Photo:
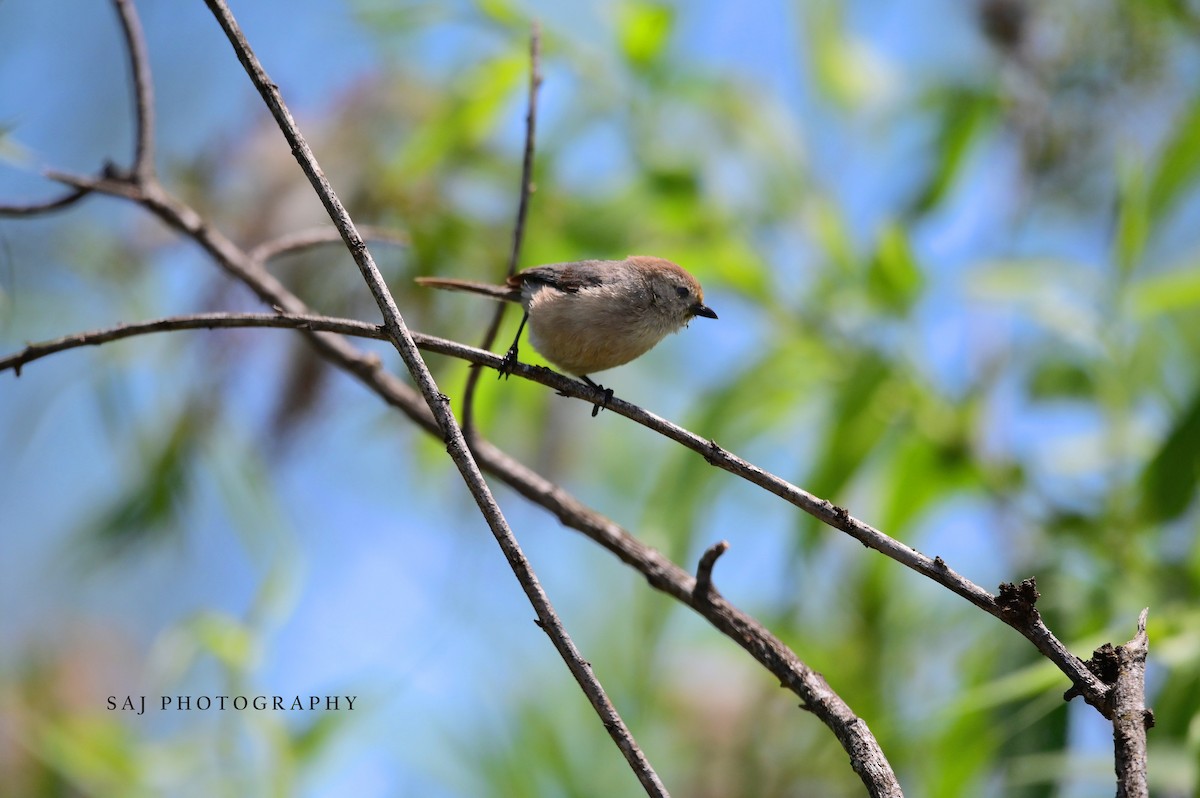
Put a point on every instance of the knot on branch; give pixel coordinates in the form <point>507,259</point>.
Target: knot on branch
<point>1017,601</point>
<point>1105,663</point>
<point>704,590</point>
<point>113,171</point>
<point>714,451</point>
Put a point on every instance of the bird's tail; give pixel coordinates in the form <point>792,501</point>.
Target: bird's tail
<point>502,292</point>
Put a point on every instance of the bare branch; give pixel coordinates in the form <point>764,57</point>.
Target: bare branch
<point>45,206</point>
<point>143,164</point>
<point>660,572</point>
<point>1130,716</point>
<point>527,188</point>
<point>438,403</point>
<point>292,243</point>
<point>210,321</point>
<point>143,89</point>
<point>514,255</point>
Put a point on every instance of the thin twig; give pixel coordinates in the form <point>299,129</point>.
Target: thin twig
<point>143,90</point>
<point>438,403</point>
<point>45,206</point>
<point>518,238</point>
<point>292,243</point>
<point>36,351</point>
<point>143,155</point>
<point>1130,716</point>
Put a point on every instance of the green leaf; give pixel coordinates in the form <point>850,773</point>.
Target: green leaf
<point>644,29</point>
<point>1133,218</point>
<point>1175,290</point>
<point>894,278</point>
<point>1178,166</point>
<point>503,12</point>
<point>828,227</point>
<point>1170,481</point>
<point>924,473</point>
<point>963,116</point>
<point>1062,380</point>
<point>11,152</point>
<point>150,507</point>
<point>224,637</point>
<point>98,754</point>
<point>857,428</point>
<point>845,68</point>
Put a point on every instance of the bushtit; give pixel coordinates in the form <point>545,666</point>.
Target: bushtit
<point>592,315</point>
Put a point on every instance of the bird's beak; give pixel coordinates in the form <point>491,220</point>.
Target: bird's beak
<point>703,310</point>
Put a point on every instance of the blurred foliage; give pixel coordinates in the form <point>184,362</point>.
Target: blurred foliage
<point>997,363</point>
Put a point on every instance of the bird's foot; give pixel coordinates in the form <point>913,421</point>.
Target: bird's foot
<point>508,364</point>
<point>606,395</point>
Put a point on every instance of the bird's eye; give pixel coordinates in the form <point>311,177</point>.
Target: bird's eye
<point>682,292</point>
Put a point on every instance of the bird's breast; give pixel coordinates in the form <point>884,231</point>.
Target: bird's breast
<point>591,330</point>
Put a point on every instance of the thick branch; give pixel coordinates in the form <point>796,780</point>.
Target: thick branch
<point>1130,716</point>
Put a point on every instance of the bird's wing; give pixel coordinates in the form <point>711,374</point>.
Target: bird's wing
<point>569,277</point>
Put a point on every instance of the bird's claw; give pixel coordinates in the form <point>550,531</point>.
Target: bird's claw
<point>607,395</point>
<point>508,364</point>
<point>596,408</point>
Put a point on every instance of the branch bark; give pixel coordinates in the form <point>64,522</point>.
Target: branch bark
<point>1130,717</point>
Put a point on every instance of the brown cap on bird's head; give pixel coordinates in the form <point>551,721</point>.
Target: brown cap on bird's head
<point>686,286</point>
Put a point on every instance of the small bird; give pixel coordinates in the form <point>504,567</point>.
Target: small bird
<point>591,315</point>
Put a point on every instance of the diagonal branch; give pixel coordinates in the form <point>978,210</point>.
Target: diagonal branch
<point>662,574</point>
<point>438,403</point>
